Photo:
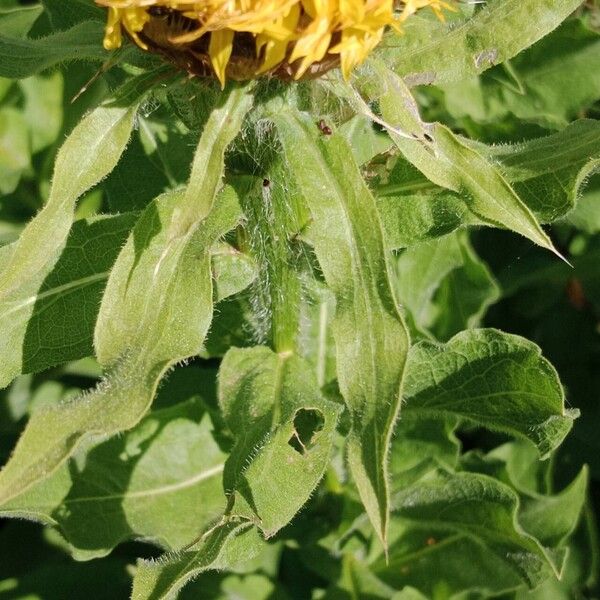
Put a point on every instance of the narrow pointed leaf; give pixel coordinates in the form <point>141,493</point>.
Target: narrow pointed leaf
<point>450,163</point>
<point>88,155</point>
<point>547,173</point>
<point>227,546</point>
<point>371,338</point>
<point>20,58</point>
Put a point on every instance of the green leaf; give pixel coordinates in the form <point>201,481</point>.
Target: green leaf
<point>421,445</point>
<point>356,581</point>
<point>20,58</point>
<point>547,173</point>
<point>89,153</point>
<point>366,142</point>
<point>161,482</point>
<point>493,379</point>
<point>444,285</point>
<point>451,163</point>
<point>162,153</point>
<point>235,324</point>
<point>224,547</point>
<point>371,338</point>
<point>430,52</point>
<point>154,320</point>
<point>443,564</point>
<point>168,255</point>
<point>43,109</point>
<point>284,432</point>
<point>15,151</point>
<point>233,271</point>
<point>60,323</point>
<point>557,78</point>
<point>482,508</point>
<point>551,519</point>
<point>17,21</point>
<point>316,342</point>
<point>67,14</point>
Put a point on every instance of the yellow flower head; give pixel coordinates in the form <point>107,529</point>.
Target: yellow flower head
<point>246,38</point>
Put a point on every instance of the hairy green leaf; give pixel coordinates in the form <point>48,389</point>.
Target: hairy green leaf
<point>135,485</point>
<point>63,14</point>
<point>284,434</point>
<point>154,320</point>
<point>371,338</point>
<point>493,379</point>
<point>548,173</point>
<point>224,547</point>
<point>21,58</point>
<point>449,162</point>
<point>430,52</point>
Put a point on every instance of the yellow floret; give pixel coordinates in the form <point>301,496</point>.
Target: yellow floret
<point>299,32</point>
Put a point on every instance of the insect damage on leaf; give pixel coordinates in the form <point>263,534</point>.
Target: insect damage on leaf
<point>307,424</point>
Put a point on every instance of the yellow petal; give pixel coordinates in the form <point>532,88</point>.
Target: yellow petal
<point>219,50</point>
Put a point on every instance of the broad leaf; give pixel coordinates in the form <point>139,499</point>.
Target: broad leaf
<point>160,482</point>
<point>493,379</point>
<point>371,338</point>
<point>430,52</point>
<point>482,508</point>
<point>284,433</point>
<point>60,326</point>
<point>421,445</point>
<point>444,285</point>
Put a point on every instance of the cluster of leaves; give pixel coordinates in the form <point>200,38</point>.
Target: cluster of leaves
<point>250,287</point>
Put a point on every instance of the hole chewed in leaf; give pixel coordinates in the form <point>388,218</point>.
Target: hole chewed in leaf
<point>307,423</point>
